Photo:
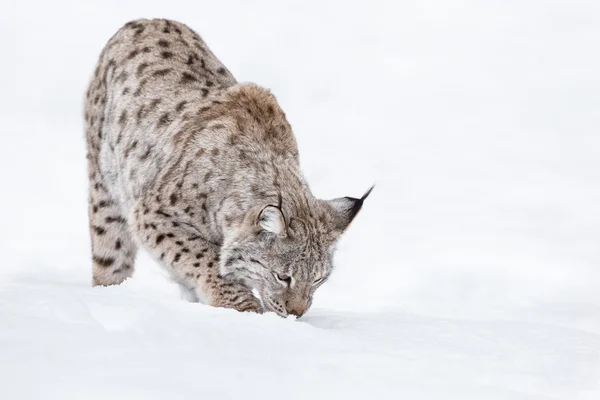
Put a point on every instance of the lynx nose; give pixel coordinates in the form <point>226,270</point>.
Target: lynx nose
<point>296,308</point>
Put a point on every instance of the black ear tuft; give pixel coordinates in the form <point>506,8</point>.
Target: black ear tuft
<point>346,208</point>
<point>358,203</point>
<point>364,196</point>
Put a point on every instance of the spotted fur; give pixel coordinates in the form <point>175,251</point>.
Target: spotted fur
<point>203,173</point>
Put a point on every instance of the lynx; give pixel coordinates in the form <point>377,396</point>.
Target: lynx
<point>203,173</point>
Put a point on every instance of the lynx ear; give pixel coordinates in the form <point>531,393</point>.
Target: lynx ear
<point>271,220</point>
<point>344,209</point>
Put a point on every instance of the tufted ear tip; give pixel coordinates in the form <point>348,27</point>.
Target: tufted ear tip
<point>358,203</point>
<point>364,196</point>
<point>346,208</point>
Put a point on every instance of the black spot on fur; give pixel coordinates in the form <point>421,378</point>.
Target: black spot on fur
<point>118,244</point>
<point>160,238</point>
<point>166,55</point>
<point>204,92</point>
<point>162,72</point>
<point>221,71</point>
<point>104,261</point>
<point>139,29</point>
<point>196,265</point>
<point>99,230</point>
<point>103,203</point>
<point>163,43</point>
<point>123,118</point>
<point>153,104</point>
<point>133,54</point>
<point>186,77</point>
<point>180,106</point>
<point>131,148</point>
<point>146,154</point>
<point>118,219</point>
<point>177,257</point>
<point>164,119</point>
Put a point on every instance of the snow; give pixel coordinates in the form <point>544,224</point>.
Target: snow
<point>471,272</point>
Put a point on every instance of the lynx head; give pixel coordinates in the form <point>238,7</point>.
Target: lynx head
<point>287,257</point>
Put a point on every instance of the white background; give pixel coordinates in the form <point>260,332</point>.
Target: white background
<point>473,271</point>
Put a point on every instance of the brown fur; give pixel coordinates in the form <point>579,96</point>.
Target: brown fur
<point>187,163</point>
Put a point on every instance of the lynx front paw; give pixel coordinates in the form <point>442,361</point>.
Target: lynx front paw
<point>241,300</point>
<point>251,305</point>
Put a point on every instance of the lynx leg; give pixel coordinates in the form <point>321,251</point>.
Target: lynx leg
<point>113,248</point>
<point>217,291</point>
<point>192,261</point>
<point>225,294</point>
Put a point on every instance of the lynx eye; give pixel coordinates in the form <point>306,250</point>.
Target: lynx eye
<point>284,279</point>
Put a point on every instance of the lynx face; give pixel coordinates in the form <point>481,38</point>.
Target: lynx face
<point>287,260</point>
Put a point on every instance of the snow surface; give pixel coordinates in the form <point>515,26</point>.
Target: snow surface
<point>471,273</point>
